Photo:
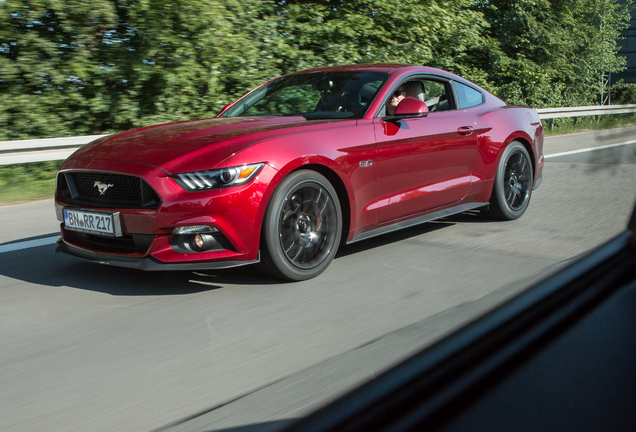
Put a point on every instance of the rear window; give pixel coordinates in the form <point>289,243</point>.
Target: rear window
<point>468,96</point>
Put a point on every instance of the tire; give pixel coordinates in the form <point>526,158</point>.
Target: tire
<point>513,184</point>
<point>301,228</point>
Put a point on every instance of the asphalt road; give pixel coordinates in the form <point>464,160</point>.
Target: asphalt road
<point>91,348</point>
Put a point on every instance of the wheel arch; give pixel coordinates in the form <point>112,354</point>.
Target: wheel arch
<point>273,259</point>
<point>331,175</point>
<point>525,142</point>
<point>501,208</point>
<point>343,195</point>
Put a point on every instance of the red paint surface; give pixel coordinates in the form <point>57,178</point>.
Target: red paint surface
<point>415,165</point>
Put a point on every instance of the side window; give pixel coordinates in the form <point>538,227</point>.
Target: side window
<point>467,96</point>
<point>437,95</point>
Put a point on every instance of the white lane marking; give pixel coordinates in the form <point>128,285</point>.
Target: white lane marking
<point>28,244</point>
<point>589,149</point>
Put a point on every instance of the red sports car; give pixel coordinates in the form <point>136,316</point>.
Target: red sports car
<point>296,167</point>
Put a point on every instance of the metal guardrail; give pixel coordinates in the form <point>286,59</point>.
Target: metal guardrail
<point>41,150</point>
<point>49,149</point>
<point>552,113</point>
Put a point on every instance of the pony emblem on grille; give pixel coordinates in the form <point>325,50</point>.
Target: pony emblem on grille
<point>101,187</point>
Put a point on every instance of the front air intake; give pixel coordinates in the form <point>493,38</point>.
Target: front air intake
<point>109,190</point>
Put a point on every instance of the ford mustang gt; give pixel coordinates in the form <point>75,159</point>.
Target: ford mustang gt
<point>297,166</point>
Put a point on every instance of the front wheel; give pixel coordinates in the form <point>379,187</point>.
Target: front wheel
<point>513,184</point>
<point>301,228</point>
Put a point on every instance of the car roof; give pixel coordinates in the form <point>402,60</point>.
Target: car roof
<point>378,67</point>
<point>394,69</point>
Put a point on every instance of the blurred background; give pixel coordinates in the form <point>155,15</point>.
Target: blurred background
<point>70,68</point>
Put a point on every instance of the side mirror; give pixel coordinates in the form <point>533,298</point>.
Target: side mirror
<point>411,107</point>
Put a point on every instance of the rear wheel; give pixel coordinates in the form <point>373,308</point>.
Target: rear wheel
<point>301,228</point>
<point>513,184</point>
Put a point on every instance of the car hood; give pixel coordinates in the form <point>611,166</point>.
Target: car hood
<point>192,145</point>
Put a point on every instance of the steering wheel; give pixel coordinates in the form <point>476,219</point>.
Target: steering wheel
<point>355,108</point>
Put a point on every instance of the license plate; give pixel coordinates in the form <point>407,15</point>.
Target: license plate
<point>100,223</point>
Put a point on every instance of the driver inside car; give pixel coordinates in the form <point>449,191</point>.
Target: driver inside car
<point>413,89</point>
<point>396,97</point>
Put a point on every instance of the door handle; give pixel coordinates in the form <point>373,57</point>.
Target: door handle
<point>465,130</point>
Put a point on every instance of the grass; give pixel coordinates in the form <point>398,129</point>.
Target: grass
<point>27,182</point>
<point>36,181</point>
<point>568,125</point>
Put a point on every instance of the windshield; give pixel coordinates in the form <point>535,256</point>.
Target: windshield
<point>319,95</point>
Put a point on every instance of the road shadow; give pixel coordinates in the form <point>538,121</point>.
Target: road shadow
<point>393,237</point>
<point>43,236</point>
<point>470,216</point>
<point>198,425</point>
<point>41,265</point>
<point>611,158</point>
<point>256,427</point>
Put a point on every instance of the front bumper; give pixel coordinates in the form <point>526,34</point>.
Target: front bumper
<point>148,243</point>
<point>146,263</point>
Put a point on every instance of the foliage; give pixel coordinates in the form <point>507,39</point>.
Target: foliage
<point>78,67</point>
<point>438,33</point>
<point>29,181</point>
<point>552,53</point>
<point>623,93</point>
<point>88,67</point>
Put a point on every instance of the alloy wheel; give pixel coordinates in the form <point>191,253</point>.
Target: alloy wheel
<point>307,226</point>
<point>517,179</point>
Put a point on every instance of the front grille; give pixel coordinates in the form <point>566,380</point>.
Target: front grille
<point>103,189</point>
<point>117,187</point>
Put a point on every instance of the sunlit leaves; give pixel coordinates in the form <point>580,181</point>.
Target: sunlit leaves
<point>85,67</point>
<point>552,53</point>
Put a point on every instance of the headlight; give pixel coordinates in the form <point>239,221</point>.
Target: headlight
<point>218,178</point>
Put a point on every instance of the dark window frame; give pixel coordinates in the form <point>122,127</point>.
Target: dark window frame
<point>380,113</point>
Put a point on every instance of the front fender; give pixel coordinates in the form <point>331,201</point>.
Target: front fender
<point>320,151</point>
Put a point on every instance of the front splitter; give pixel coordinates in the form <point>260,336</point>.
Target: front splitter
<point>145,264</point>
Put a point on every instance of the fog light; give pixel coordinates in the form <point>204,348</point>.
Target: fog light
<point>202,242</point>
<point>198,241</point>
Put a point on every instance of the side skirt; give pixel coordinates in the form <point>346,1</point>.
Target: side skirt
<point>418,220</point>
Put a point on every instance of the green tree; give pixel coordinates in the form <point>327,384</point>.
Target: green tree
<point>552,53</point>
<point>49,67</point>
<point>82,67</point>
<point>623,93</point>
<point>434,33</point>
<point>88,67</point>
